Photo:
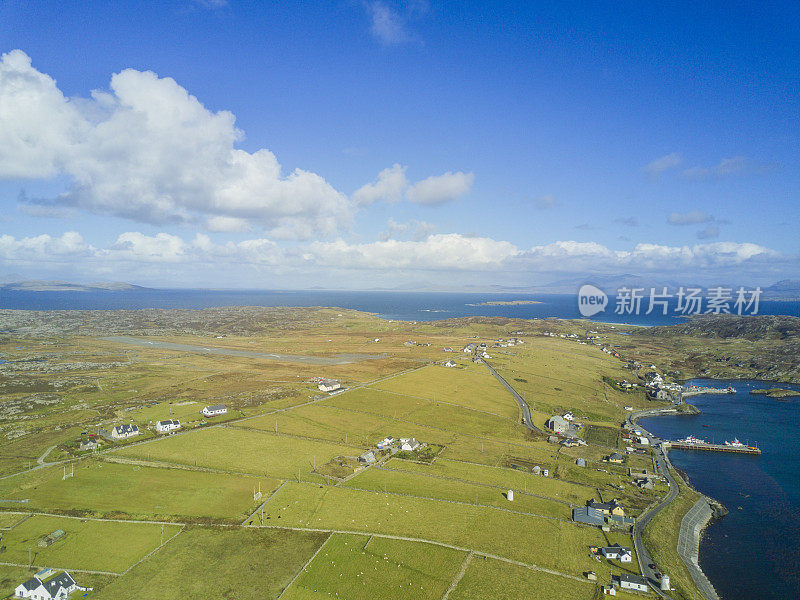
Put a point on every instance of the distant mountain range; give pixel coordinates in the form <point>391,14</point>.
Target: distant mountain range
<point>63,286</point>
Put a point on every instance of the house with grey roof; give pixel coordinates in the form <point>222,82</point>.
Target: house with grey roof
<point>616,551</point>
<point>47,585</point>
<point>123,432</point>
<point>368,457</point>
<point>633,582</point>
<point>558,424</point>
<point>167,425</point>
<point>588,515</point>
<point>213,411</point>
<point>329,385</point>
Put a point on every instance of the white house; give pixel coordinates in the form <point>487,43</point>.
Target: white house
<point>568,416</point>
<point>385,442</point>
<point>329,385</point>
<point>121,432</point>
<point>216,410</point>
<point>450,363</point>
<point>615,551</point>
<point>168,425</point>
<point>409,444</point>
<point>47,585</point>
<point>633,582</point>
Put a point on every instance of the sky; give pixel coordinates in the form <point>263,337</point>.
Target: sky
<point>382,144</point>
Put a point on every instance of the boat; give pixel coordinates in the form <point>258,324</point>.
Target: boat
<point>692,440</point>
<point>735,443</point>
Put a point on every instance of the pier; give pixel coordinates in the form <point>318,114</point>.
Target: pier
<point>712,447</point>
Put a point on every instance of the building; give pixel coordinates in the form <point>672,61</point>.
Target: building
<point>51,538</point>
<point>214,411</point>
<point>450,363</point>
<point>329,385</point>
<point>558,424</point>
<point>385,442</point>
<point>568,416</point>
<point>608,508</point>
<point>615,457</point>
<point>47,585</point>
<point>368,457</point>
<point>88,445</point>
<point>615,551</point>
<point>588,515</point>
<point>633,582</point>
<point>581,462</point>
<point>168,425</point>
<point>123,432</point>
<point>409,444</point>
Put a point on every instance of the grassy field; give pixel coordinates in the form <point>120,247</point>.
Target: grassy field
<point>521,537</point>
<point>236,564</point>
<point>488,579</point>
<point>361,567</point>
<point>89,545</point>
<point>138,492</point>
<point>10,519</point>
<point>419,484</point>
<point>470,389</point>
<point>243,451</point>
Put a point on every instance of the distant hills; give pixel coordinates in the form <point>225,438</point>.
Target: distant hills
<point>63,286</point>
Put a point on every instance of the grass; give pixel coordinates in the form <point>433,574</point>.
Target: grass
<point>105,488</point>
<point>237,564</point>
<point>360,567</point>
<point>89,545</point>
<point>419,484</point>
<point>243,451</point>
<point>488,579</point>
<point>521,537</point>
<point>10,519</point>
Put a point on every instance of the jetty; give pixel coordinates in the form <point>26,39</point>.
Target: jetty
<point>694,390</point>
<point>740,449</point>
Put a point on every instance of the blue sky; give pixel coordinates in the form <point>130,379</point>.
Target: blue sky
<point>377,144</point>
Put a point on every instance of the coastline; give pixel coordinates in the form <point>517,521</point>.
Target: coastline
<point>691,529</point>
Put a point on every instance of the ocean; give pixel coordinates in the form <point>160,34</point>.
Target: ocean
<point>752,553</point>
<point>406,306</point>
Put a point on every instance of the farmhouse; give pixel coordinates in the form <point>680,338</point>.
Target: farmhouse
<point>329,385</point>
<point>450,363</point>
<point>408,444</point>
<point>608,508</point>
<point>616,551</point>
<point>385,442</point>
<point>122,432</point>
<point>47,585</point>
<point>213,411</point>
<point>588,515</point>
<point>615,457</point>
<point>168,425</point>
<point>88,445</point>
<point>632,582</point>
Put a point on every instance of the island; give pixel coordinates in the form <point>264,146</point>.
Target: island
<point>507,302</point>
<point>776,393</point>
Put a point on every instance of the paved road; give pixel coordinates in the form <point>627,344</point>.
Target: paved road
<point>526,410</point>
<point>338,359</point>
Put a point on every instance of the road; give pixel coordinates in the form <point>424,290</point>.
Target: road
<point>338,359</point>
<point>526,410</point>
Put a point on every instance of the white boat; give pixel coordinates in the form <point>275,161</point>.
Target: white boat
<point>692,440</point>
<point>735,443</point>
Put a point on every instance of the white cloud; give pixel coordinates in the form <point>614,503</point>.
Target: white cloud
<point>149,151</point>
<point>387,24</point>
<point>229,224</point>
<point>693,217</point>
<point>662,164</point>
<point>389,187</point>
<point>438,189</point>
<point>417,230</point>
<point>44,248</point>
<point>725,167</point>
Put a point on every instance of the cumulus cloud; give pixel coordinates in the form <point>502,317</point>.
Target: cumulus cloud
<point>662,164</point>
<point>417,230</point>
<point>438,189</point>
<point>389,187</point>
<point>693,217</point>
<point>44,248</point>
<point>147,150</point>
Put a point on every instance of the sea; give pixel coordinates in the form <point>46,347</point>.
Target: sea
<point>751,553</point>
<point>406,306</point>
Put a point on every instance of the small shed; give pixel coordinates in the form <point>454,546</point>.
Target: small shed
<point>581,462</point>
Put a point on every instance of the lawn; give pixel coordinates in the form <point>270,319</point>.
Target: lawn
<point>547,542</point>
<point>237,564</point>
<point>243,451</point>
<point>109,488</point>
<point>488,579</point>
<point>420,484</point>
<point>361,567</point>
<point>90,545</point>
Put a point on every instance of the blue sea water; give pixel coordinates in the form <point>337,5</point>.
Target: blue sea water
<point>408,306</point>
<point>752,553</point>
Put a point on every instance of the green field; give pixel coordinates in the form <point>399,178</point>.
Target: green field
<point>521,537</point>
<point>361,567</point>
<point>116,489</point>
<point>88,544</point>
<point>243,451</point>
<point>488,579</point>
<point>236,564</point>
<point>419,484</point>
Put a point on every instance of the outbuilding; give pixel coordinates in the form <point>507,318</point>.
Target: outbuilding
<point>633,582</point>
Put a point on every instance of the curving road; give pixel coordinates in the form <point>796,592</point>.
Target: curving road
<point>526,410</point>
